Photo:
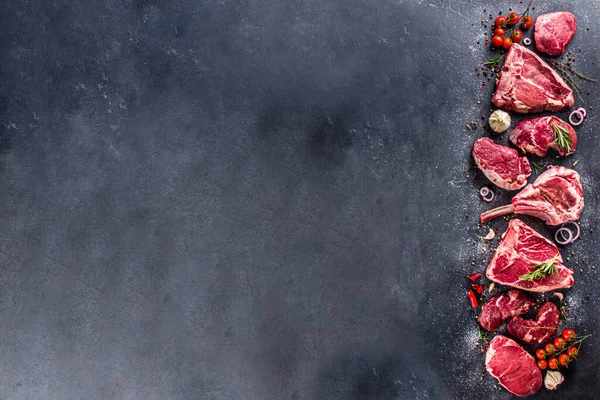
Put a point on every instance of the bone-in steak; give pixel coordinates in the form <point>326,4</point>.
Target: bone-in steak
<point>501,165</point>
<point>556,197</point>
<point>539,330</point>
<point>554,31</point>
<point>528,85</point>
<point>503,306</point>
<point>519,251</point>
<point>514,368</point>
<point>536,135</point>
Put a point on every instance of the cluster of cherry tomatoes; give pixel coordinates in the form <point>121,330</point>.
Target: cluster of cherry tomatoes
<point>557,348</point>
<point>500,25</point>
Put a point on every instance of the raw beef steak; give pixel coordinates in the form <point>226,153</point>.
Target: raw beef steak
<point>556,197</point>
<point>501,165</point>
<point>528,85</point>
<point>503,306</point>
<point>539,330</point>
<point>520,250</point>
<point>514,368</point>
<point>554,31</point>
<point>536,135</point>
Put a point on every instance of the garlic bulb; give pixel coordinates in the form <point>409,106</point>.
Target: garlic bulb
<point>499,121</point>
<point>553,379</point>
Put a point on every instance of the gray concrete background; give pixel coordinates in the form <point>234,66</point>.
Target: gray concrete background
<point>254,199</point>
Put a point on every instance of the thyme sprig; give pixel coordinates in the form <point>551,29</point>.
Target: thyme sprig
<point>482,335</point>
<point>562,137</point>
<point>541,270</point>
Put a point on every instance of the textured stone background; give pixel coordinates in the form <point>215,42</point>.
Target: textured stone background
<point>254,199</point>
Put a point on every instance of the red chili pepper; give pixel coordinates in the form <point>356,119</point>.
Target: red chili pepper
<point>473,299</point>
<point>477,287</point>
<point>474,277</point>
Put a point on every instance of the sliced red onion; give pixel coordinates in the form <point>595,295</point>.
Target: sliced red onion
<point>560,237</point>
<point>580,116</point>
<point>578,229</point>
<point>489,197</point>
<point>583,111</point>
<point>526,41</point>
<point>486,194</point>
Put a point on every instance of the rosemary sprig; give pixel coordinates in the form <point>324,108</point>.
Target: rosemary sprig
<point>494,60</point>
<point>537,166</point>
<point>576,162</point>
<point>541,270</point>
<point>562,137</point>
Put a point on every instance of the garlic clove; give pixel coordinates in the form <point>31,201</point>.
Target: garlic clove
<point>499,121</point>
<point>553,380</point>
<point>490,235</point>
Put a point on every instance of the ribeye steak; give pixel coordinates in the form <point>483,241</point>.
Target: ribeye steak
<point>520,251</point>
<point>536,135</point>
<point>501,165</point>
<point>554,31</point>
<point>503,306</point>
<point>528,85</point>
<point>514,368</point>
<point>556,197</point>
<point>539,330</point>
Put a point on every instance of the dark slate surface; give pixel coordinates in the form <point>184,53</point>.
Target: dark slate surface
<point>254,199</point>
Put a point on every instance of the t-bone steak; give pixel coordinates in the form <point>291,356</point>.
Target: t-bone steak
<point>501,165</point>
<point>536,135</point>
<point>539,330</point>
<point>556,197</point>
<point>528,85</point>
<point>554,31</point>
<point>520,251</point>
<point>514,368</point>
<point>503,306</point>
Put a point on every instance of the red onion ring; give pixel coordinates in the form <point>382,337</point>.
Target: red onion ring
<point>526,41</point>
<point>579,114</point>
<point>583,111</point>
<point>576,235</point>
<point>560,238</point>
<point>487,194</point>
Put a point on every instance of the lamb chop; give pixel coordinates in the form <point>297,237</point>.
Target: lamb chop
<point>556,197</point>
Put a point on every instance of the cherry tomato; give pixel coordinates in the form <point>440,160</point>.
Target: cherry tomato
<point>542,364</point>
<point>526,22</point>
<point>498,32</point>
<point>516,36</point>
<point>500,22</point>
<point>569,335</point>
<point>497,41</point>
<point>512,18</point>
<point>550,349</point>
<point>560,343</point>
<point>563,359</point>
<point>540,354</point>
<point>507,43</point>
<point>553,363</point>
<point>573,352</point>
